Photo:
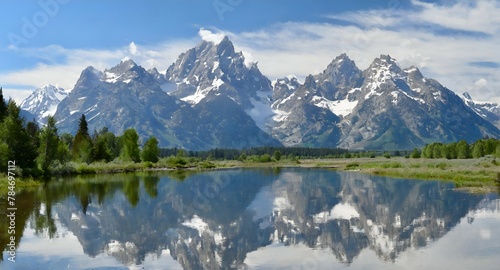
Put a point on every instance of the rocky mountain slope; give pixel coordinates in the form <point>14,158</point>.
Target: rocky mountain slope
<point>382,107</point>
<point>43,102</point>
<point>489,111</point>
<point>126,96</point>
<point>211,96</point>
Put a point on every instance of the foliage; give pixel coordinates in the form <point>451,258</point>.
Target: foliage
<point>130,150</point>
<point>100,150</point>
<point>150,150</point>
<point>416,153</point>
<point>265,158</point>
<point>3,107</point>
<point>238,154</point>
<point>82,144</point>
<point>462,150</point>
<point>277,155</point>
<point>478,149</point>
<point>49,145</point>
<point>21,147</point>
<point>176,162</point>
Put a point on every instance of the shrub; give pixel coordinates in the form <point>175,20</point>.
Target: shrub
<point>352,165</point>
<point>265,158</point>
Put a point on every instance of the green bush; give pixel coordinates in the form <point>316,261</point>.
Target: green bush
<point>265,158</point>
<point>207,165</point>
<point>176,162</point>
<point>352,165</point>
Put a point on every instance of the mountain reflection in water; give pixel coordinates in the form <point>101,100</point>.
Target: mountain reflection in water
<point>254,219</point>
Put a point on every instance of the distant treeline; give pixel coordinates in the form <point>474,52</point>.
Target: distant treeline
<point>455,150</point>
<point>460,150</point>
<point>42,150</point>
<point>286,152</point>
<point>235,154</point>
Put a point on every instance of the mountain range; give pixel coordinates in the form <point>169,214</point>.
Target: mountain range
<point>211,96</point>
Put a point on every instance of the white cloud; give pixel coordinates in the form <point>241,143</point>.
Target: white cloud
<point>66,72</point>
<point>481,82</point>
<point>420,36</point>
<point>249,60</point>
<point>132,48</point>
<point>18,95</point>
<point>479,16</point>
<point>209,36</point>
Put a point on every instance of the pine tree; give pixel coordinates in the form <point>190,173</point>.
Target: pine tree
<point>4,147</point>
<point>82,144</point>
<point>3,106</point>
<point>21,146</point>
<point>83,126</point>
<point>150,151</point>
<point>100,151</point>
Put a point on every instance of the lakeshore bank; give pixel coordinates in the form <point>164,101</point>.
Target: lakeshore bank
<point>473,175</point>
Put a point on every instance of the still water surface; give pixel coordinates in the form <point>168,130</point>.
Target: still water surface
<point>254,219</point>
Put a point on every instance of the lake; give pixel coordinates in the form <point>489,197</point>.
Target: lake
<point>253,219</point>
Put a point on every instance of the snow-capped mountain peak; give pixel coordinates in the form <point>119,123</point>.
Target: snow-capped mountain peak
<point>125,71</point>
<point>383,68</point>
<point>487,110</point>
<point>43,101</point>
<point>215,67</point>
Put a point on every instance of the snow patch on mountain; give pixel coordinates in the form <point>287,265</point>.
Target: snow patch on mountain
<point>198,95</point>
<point>338,107</point>
<point>372,92</point>
<point>261,112</point>
<point>44,101</point>
<point>280,116</point>
<point>110,77</point>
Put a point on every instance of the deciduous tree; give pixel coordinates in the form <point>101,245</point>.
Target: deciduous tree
<point>150,151</point>
<point>130,150</point>
<point>49,143</point>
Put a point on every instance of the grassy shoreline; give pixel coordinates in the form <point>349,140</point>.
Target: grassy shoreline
<point>474,175</point>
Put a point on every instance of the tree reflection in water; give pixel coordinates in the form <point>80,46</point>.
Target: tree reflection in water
<point>215,219</point>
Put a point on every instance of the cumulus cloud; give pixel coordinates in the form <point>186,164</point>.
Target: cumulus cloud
<point>132,48</point>
<point>249,60</point>
<point>455,42</point>
<point>65,72</point>
<point>478,16</point>
<point>18,95</point>
<point>209,36</point>
<point>442,40</point>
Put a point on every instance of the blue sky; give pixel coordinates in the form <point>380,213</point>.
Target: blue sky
<point>51,41</point>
